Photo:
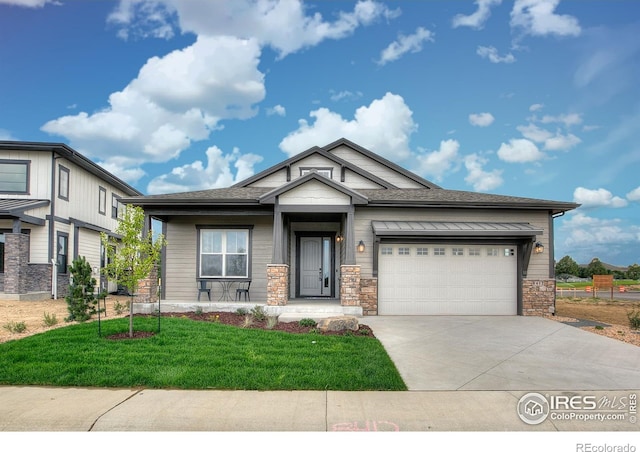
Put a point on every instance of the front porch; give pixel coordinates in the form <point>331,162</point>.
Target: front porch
<point>295,310</point>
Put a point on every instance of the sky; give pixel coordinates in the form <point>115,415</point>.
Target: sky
<point>531,98</point>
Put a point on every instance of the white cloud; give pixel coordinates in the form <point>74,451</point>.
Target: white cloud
<point>491,53</point>
<point>592,236</point>
<point>283,25</point>
<point>561,142</point>
<point>6,135</point>
<point>597,198</point>
<point>29,3</point>
<point>276,110</point>
<point>146,122</point>
<point>216,174</point>
<point>571,119</point>
<point>405,44</point>
<point>436,163</point>
<point>534,133</point>
<point>589,128</point>
<point>634,195</point>
<point>481,119</point>
<point>338,96</point>
<point>478,18</point>
<point>519,150</point>
<point>384,127</point>
<point>536,107</point>
<point>477,177</point>
<point>538,18</point>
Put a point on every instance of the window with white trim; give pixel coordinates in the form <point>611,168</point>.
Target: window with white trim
<point>386,250</point>
<point>492,251</point>
<point>438,251</point>
<point>326,172</point>
<point>224,253</point>
<point>474,251</point>
<point>458,251</point>
<point>404,251</point>
<point>422,251</point>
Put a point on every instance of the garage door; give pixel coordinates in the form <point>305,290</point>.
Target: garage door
<point>449,279</point>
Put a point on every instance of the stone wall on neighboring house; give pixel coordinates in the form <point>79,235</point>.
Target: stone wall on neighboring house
<point>538,297</point>
<point>369,296</point>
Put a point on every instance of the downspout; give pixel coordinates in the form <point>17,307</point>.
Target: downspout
<point>52,213</point>
<point>552,253</point>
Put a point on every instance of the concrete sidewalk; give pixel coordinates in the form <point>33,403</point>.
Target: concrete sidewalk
<point>51,409</point>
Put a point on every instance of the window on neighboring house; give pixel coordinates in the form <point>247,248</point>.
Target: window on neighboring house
<point>326,172</point>
<point>116,206</point>
<point>224,253</point>
<point>63,183</point>
<point>102,201</point>
<point>14,176</point>
<point>62,252</point>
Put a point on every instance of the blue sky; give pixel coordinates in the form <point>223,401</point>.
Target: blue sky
<point>532,98</point>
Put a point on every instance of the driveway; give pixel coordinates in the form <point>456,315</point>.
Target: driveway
<point>504,353</point>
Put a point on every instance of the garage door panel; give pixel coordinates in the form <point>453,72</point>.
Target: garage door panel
<point>453,279</point>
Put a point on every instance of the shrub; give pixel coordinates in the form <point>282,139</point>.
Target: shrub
<point>248,321</point>
<point>120,307</point>
<point>272,321</point>
<point>198,310</point>
<point>242,311</point>
<point>634,319</point>
<point>49,319</point>
<point>307,322</point>
<point>81,301</point>
<point>15,327</point>
<point>259,313</point>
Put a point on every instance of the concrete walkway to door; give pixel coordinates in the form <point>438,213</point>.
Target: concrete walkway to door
<point>504,353</point>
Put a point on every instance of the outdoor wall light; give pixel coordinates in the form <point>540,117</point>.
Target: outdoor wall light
<point>339,238</point>
<point>539,248</point>
<point>361,247</point>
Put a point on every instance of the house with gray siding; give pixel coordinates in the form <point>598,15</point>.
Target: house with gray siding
<point>54,203</point>
<point>339,225</point>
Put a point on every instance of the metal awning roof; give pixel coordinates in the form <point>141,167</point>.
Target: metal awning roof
<point>453,229</point>
<point>16,208</point>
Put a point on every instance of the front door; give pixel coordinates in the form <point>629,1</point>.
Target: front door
<point>315,263</point>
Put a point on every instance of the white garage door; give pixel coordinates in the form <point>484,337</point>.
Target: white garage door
<point>449,279</point>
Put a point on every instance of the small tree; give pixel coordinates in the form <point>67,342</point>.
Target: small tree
<point>81,301</point>
<point>596,267</point>
<point>133,255</point>
<point>633,272</point>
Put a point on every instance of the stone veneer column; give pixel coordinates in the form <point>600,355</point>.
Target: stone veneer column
<point>16,262</point>
<point>538,296</point>
<point>369,296</point>
<point>350,285</point>
<point>277,284</point>
<point>148,288</point>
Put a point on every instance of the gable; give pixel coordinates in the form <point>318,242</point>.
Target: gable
<point>314,192</point>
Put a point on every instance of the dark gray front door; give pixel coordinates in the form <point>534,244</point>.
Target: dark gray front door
<point>315,267</point>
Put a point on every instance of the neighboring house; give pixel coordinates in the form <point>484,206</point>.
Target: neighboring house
<point>341,223</point>
<point>54,203</point>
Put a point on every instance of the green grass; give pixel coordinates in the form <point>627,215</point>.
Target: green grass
<point>583,284</point>
<point>188,354</point>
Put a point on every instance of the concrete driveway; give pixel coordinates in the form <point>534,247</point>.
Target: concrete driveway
<point>504,353</point>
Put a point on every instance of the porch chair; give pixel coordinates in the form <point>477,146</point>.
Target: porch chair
<point>202,287</point>
<point>243,288</point>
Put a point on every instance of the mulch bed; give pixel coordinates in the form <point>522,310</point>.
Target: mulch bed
<point>240,320</point>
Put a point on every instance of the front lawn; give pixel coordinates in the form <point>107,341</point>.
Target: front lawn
<point>188,354</point>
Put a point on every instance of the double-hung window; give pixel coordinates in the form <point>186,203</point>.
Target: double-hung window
<point>224,253</point>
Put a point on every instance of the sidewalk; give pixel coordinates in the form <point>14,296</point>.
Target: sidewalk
<point>118,410</point>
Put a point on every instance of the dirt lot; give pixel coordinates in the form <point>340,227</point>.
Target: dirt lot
<point>613,313</point>
<point>32,313</point>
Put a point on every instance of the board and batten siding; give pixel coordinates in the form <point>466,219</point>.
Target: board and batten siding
<point>181,260</point>
<point>84,192</point>
<point>89,247</point>
<point>314,193</point>
<point>538,265</point>
<point>375,168</point>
